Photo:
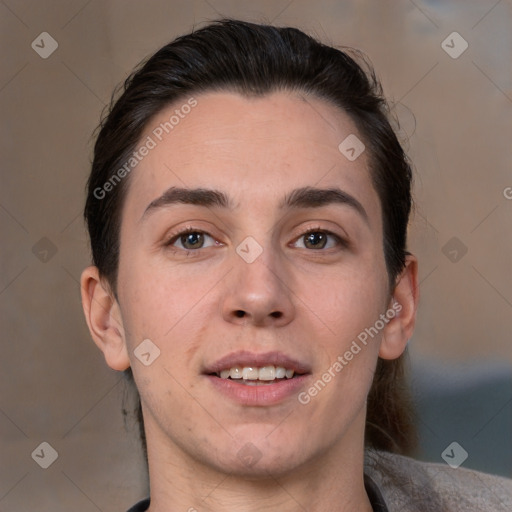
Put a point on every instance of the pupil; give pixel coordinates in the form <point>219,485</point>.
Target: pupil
<point>316,240</point>
<point>192,239</point>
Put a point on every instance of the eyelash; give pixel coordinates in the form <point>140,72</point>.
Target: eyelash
<point>175,236</point>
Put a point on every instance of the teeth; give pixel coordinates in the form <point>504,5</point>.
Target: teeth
<point>235,372</point>
<point>280,372</point>
<point>267,373</point>
<point>252,373</point>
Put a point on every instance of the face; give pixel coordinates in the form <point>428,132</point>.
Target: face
<point>276,264</point>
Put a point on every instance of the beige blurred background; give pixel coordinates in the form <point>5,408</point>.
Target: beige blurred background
<point>456,120</point>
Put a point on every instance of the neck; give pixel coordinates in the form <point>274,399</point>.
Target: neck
<point>332,481</point>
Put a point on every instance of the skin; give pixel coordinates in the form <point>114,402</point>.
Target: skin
<point>307,302</point>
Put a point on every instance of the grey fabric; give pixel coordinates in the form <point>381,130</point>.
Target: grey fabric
<point>408,485</point>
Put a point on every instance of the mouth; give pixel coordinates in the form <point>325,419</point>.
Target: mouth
<point>258,379</point>
<point>257,376</point>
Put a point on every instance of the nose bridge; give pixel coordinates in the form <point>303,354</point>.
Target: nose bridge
<point>257,291</point>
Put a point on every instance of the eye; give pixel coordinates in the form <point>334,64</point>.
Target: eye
<point>190,239</point>
<point>318,239</point>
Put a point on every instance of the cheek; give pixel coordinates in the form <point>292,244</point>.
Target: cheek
<point>159,304</point>
<point>349,307</point>
<point>347,301</point>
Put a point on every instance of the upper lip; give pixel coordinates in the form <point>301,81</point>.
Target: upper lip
<point>246,358</point>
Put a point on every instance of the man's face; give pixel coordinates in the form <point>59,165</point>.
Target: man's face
<point>248,291</point>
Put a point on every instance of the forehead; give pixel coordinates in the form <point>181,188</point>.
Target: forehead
<point>254,149</point>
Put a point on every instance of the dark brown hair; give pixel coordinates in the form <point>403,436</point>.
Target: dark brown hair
<point>255,60</point>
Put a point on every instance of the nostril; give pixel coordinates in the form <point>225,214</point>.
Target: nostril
<point>239,313</point>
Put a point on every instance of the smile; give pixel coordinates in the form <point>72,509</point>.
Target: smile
<point>257,379</point>
<point>253,376</point>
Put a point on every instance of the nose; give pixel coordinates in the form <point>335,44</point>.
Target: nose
<point>259,293</point>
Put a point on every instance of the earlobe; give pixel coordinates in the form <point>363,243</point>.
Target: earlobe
<point>103,318</point>
<point>404,304</point>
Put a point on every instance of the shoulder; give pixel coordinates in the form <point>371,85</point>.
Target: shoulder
<point>141,506</point>
<point>415,486</point>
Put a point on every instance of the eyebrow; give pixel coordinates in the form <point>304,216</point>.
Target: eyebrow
<point>305,197</point>
<point>311,197</point>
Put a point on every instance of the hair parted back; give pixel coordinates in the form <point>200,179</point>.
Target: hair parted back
<point>255,60</point>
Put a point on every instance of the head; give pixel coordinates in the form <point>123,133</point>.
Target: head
<point>255,114</point>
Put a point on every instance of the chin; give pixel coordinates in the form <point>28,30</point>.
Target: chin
<point>267,466</point>
<point>256,456</point>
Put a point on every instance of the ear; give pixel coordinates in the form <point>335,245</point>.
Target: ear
<point>103,318</point>
<point>404,304</point>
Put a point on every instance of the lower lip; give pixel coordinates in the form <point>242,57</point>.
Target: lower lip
<point>262,394</point>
